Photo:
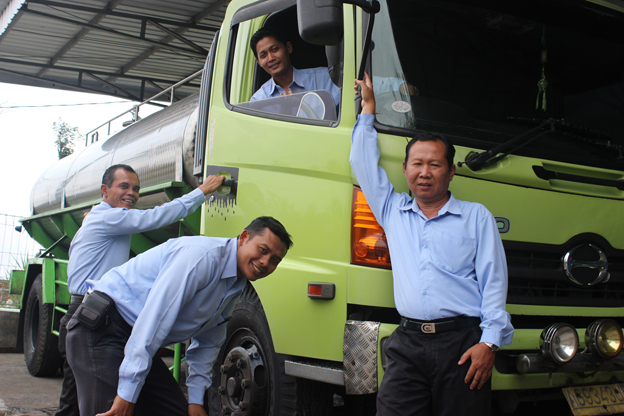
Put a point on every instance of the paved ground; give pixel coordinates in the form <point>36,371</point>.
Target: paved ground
<point>25,395</point>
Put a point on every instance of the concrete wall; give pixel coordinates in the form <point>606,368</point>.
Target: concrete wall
<point>9,319</point>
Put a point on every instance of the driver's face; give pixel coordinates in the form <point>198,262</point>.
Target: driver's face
<point>273,56</point>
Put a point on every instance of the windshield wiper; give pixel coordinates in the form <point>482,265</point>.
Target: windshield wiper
<point>476,161</point>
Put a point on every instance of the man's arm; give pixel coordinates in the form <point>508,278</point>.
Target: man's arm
<point>120,407</point>
<point>201,356</point>
<point>364,157</point>
<point>491,271</point>
<point>123,408</point>
<point>184,272</point>
<point>203,351</point>
<point>132,221</point>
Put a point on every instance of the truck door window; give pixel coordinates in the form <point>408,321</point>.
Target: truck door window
<point>316,93</point>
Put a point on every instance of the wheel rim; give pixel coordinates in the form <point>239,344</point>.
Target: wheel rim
<point>34,325</point>
<point>244,387</point>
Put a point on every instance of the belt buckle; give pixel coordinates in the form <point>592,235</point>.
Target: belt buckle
<point>428,328</point>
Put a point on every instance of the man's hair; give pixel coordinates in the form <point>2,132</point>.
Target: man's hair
<point>263,33</point>
<point>109,174</point>
<point>258,226</point>
<point>449,153</point>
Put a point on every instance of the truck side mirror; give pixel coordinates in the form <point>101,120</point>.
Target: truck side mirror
<point>320,21</point>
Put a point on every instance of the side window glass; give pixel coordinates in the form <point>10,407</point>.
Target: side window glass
<point>286,78</point>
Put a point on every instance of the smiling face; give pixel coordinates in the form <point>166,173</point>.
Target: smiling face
<point>124,192</point>
<point>258,256</point>
<point>274,56</point>
<point>427,172</point>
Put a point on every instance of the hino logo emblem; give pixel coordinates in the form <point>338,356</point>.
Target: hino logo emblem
<point>572,264</point>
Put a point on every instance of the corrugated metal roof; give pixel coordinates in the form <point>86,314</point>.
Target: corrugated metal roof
<point>127,48</point>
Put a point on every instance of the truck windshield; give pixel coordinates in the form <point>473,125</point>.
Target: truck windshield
<point>485,73</point>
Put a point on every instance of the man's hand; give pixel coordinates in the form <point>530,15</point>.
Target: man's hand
<point>368,96</point>
<point>480,370</point>
<point>120,408</point>
<point>196,410</point>
<point>211,183</point>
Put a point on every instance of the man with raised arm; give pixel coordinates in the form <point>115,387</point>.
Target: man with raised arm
<point>449,273</point>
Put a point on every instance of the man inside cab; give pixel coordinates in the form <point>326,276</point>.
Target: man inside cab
<point>272,52</point>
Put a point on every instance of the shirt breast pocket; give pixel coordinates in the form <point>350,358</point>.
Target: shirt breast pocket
<point>455,254</point>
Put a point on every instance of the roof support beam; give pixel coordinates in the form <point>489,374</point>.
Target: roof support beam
<point>114,87</point>
<point>161,45</point>
<point>83,32</point>
<point>177,36</point>
<point>49,83</point>
<point>84,70</point>
<point>197,18</point>
<point>110,12</point>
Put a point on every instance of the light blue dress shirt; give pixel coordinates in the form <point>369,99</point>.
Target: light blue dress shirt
<point>450,265</point>
<point>304,80</point>
<point>103,240</point>
<point>183,289</point>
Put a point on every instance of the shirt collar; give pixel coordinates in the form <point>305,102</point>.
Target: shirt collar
<point>231,267</point>
<point>106,205</point>
<point>451,206</point>
<point>297,80</point>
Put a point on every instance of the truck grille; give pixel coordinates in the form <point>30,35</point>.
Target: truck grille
<point>537,276</point>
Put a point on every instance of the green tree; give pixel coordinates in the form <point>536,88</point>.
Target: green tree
<point>65,137</point>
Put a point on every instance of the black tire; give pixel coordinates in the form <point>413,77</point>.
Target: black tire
<point>40,345</point>
<point>248,354</point>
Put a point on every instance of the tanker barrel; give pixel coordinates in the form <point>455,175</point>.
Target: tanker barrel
<point>160,148</point>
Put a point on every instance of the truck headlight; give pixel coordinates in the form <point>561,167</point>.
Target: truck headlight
<point>559,342</point>
<point>603,338</point>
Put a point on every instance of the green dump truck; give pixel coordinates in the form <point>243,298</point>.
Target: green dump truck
<point>531,94</point>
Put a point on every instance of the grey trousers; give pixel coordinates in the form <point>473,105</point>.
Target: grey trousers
<point>95,357</point>
<point>423,378</point>
<point>68,402</point>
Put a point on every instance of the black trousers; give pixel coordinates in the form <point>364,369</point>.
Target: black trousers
<point>95,357</point>
<point>68,402</point>
<point>423,378</point>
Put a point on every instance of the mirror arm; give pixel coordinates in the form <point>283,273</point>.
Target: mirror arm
<point>365,52</point>
<point>371,8</point>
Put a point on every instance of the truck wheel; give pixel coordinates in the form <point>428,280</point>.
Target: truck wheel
<point>248,376</point>
<point>40,346</point>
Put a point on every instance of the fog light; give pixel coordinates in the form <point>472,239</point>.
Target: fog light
<point>559,342</point>
<point>603,338</point>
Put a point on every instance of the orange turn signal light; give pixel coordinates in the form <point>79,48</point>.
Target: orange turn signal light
<point>369,246</point>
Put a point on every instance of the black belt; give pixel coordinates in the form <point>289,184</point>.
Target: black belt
<point>77,298</point>
<point>439,325</point>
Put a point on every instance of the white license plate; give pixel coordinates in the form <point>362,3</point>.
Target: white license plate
<point>595,400</point>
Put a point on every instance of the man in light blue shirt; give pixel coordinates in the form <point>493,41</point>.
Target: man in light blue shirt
<point>272,53</point>
<point>450,278</point>
<point>103,242</point>
<point>183,289</point>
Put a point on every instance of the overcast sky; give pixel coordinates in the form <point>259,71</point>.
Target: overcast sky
<point>27,138</point>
